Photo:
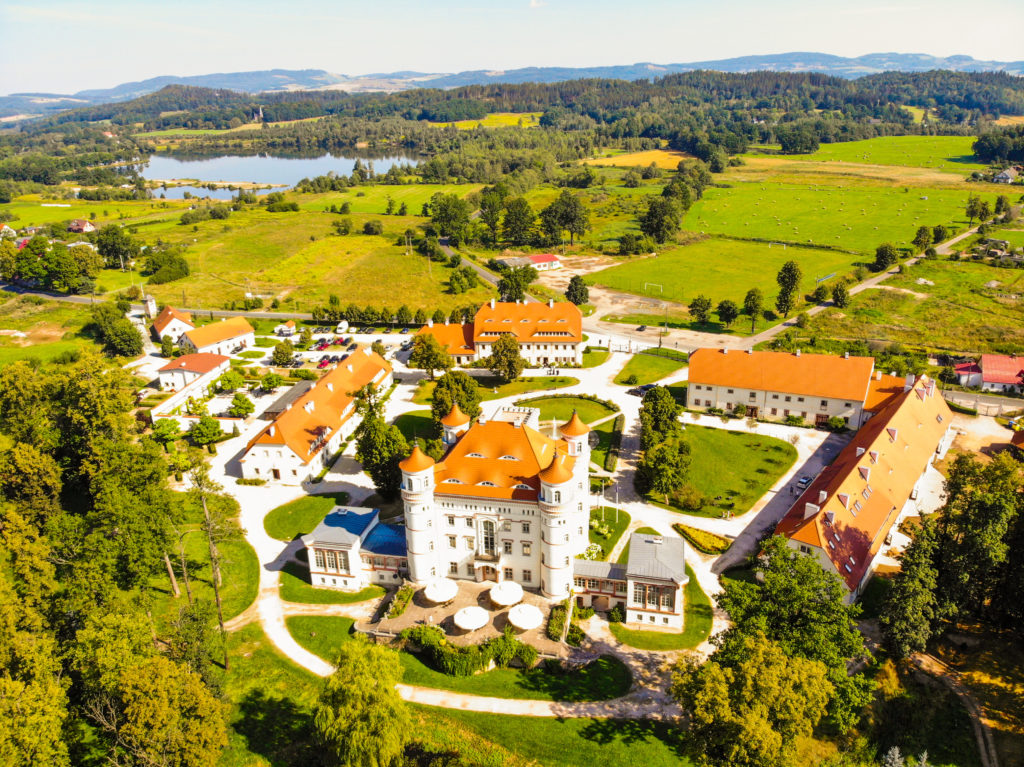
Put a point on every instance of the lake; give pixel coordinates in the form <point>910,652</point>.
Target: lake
<point>252,169</point>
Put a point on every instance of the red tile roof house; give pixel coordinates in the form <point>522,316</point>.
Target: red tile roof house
<point>180,372</point>
<point>993,372</point>
<point>173,323</point>
<point>545,262</point>
<point>846,514</point>
<point>81,226</point>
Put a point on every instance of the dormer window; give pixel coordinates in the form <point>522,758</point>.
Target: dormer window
<point>452,482</point>
<point>521,486</point>
<point>474,455</point>
<point>485,483</point>
<point>508,458</point>
<point>892,434</point>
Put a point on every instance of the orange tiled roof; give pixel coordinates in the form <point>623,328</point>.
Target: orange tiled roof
<point>559,471</point>
<point>216,332</point>
<point>201,362</point>
<point>574,427</point>
<point>529,322</point>
<point>454,339</point>
<point>859,496</point>
<point>882,389</point>
<point>307,425</point>
<point>166,315</point>
<point>455,417</point>
<point>497,459</point>
<point>813,375</point>
<point>417,461</point>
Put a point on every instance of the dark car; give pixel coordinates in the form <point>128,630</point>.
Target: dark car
<point>635,391</point>
<point>404,331</point>
<point>352,346</point>
<point>641,329</point>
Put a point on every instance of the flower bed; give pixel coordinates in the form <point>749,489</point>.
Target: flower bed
<point>702,540</point>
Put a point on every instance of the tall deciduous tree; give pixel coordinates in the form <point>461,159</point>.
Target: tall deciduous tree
<point>841,295</point>
<point>910,612</point>
<point>505,361</point>
<point>428,354</point>
<point>455,386</point>
<point>360,719</point>
<point>788,278</point>
<point>518,222</point>
<point>700,308</point>
<point>753,305</point>
<point>886,256</point>
<point>380,448</point>
<point>515,282</point>
<point>662,218</point>
<point>727,312</point>
<point>577,292</point>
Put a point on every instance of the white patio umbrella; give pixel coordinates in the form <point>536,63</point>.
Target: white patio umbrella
<point>506,593</point>
<point>471,618</point>
<point>441,590</point>
<point>525,617</point>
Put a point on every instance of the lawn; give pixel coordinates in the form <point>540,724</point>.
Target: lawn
<point>856,217</point>
<point>958,313</point>
<point>300,516</point>
<point>624,554</point>
<point>295,587</point>
<point>374,199</point>
<point>418,424</point>
<point>561,408</point>
<point>606,678</point>
<point>733,469</point>
<point>36,210</point>
<point>947,153</point>
<point>493,388</point>
<point>696,624</point>
<point>647,368</point>
<point>616,520</point>
<point>593,357</point>
<point>720,269</point>
<point>38,330</point>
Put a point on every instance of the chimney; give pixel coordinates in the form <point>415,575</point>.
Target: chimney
<point>309,407</point>
<point>492,303</point>
<point>446,321</point>
<point>725,351</point>
<point>797,352</point>
<point>551,303</point>
<point>909,383</point>
<point>430,322</point>
<point>330,387</point>
<point>822,495</point>
<point>272,430</point>
<point>349,366</point>
<point>846,355</point>
<point>750,351</point>
<point>810,509</point>
<point>878,375</point>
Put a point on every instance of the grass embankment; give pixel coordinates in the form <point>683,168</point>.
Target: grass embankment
<point>593,357</point>
<point>696,624</point>
<point>301,515</point>
<point>647,368</point>
<point>295,587</point>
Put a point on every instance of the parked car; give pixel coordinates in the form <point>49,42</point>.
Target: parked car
<point>641,329</point>
<point>403,331</point>
<point>804,481</point>
<point>352,346</point>
<point>324,363</point>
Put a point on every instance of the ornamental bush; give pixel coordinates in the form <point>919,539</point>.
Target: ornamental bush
<point>466,661</point>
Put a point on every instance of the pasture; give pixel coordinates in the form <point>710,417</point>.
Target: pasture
<point>374,199</point>
<point>720,269</point>
<point>857,218</point>
<point>957,313</point>
<point>947,153</point>
<point>666,159</point>
<point>38,330</point>
<point>35,210</point>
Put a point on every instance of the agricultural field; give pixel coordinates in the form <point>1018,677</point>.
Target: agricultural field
<point>666,159</point>
<point>720,268</point>
<point>952,154</point>
<point>940,305</point>
<point>35,210</point>
<point>374,199</point>
<point>38,330</point>
<point>497,120</point>
<point>856,218</point>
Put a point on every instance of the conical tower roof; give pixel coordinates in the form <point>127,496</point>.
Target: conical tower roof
<point>455,417</point>
<point>558,472</point>
<point>416,462</point>
<point>574,427</point>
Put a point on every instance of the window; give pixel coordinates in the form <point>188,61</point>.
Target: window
<point>526,549</point>
<point>430,523</point>
<point>593,585</point>
<point>469,521</point>
<point>799,399</point>
<point>332,561</point>
<point>652,596</point>
<point>506,546</point>
<point>506,526</point>
<point>753,396</point>
<point>775,411</point>
<point>728,391</point>
<point>470,569</point>
<point>488,537</point>
<point>639,591</point>
<point>867,492</point>
<point>318,556</point>
<point>469,543</point>
<point>775,396</point>
<point>453,568</point>
<point>433,571</point>
<point>558,496</point>
<point>430,545</point>
<point>527,576</point>
<point>805,549</point>
<point>668,598</point>
<point>789,399</point>
<point>824,403</point>
<point>526,528</point>
<point>451,542</point>
<point>507,572</point>
<point>566,561</point>
<point>451,521</point>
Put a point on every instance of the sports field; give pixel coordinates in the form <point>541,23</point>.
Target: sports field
<point>852,217</point>
<point>947,153</point>
<point>720,269</point>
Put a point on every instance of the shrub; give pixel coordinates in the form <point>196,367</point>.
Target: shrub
<point>958,408</point>
<point>574,636</point>
<point>835,423</point>
<point>244,481</point>
<point>401,601</point>
<point>794,420</point>
<point>690,498</point>
<point>466,661</point>
<point>556,623</point>
<point>702,540</point>
<point>304,375</point>
<point>631,380</point>
<point>373,227</point>
<point>617,614</point>
<point>583,613</point>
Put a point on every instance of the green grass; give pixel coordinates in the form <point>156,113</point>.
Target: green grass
<point>958,313</point>
<point>300,516</point>
<point>561,408</point>
<point>374,199</point>
<point>604,432</point>
<point>295,587</point>
<point>321,635</point>
<point>947,153</point>
<point>36,210</point>
<point>647,368</point>
<point>735,465</point>
<point>593,357</point>
<point>617,522</point>
<point>624,554</point>
<point>417,424</point>
<point>719,269</point>
<point>696,624</point>
<point>51,329</point>
<point>852,217</point>
<point>493,388</point>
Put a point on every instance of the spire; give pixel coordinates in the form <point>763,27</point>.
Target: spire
<point>416,462</point>
<point>559,472</point>
<point>574,427</point>
<point>455,417</point>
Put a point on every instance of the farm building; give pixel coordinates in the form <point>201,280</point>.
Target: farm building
<point>81,226</point>
<point>1007,176</point>
<point>180,372</point>
<point>993,372</point>
<point>545,262</point>
<point>173,323</point>
<point>224,337</point>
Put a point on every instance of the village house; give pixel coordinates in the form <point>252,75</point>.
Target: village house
<point>303,439</point>
<point>545,262</point>
<point>351,549</point>
<point>993,372</point>
<point>777,385</point>
<point>1007,176</point>
<point>548,334</point>
<point>224,337</point>
<point>81,226</point>
<point>285,329</point>
<point>845,515</point>
<point>180,372</point>
<point>173,323</point>
<point>6,233</point>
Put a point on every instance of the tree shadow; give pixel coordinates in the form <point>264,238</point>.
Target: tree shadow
<point>277,729</point>
<point>634,731</point>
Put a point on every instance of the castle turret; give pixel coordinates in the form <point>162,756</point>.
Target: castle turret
<point>557,504</point>
<point>418,496</point>
<point>577,438</point>
<point>454,425</point>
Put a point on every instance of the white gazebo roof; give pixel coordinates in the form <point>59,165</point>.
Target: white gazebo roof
<point>471,618</point>
<point>507,593</point>
<point>441,590</point>
<point>525,617</point>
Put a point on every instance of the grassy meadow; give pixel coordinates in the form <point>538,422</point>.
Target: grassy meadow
<point>38,330</point>
<point>947,153</point>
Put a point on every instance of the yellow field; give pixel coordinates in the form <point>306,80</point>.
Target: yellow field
<point>918,113</point>
<point>666,159</point>
<point>497,120</point>
<point>1011,120</point>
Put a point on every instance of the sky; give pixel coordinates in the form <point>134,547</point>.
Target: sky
<point>62,46</point>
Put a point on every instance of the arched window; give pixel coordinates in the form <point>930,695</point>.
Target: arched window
<point>558,496</point>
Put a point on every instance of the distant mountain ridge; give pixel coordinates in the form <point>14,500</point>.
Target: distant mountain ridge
<point>318,79</point>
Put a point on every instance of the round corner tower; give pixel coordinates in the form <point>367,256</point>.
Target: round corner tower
<point>418,497</point>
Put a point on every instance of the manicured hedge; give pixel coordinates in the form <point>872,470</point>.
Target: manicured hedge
<point>612,457</point>
<point>401,601</point>
<point>589,397</point>
<point>958,408</point>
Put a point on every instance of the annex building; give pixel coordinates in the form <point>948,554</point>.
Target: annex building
<point>846,514</point>
<point>181,371</point>
<point>172,322</point>
<point>548,334</point>
<point>776,385</point>
<point>224,337</point>
<point>303,437</point>
<point>351,550</point>
<point>993,372</point>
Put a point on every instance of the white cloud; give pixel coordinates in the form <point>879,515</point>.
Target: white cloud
<point>537,3</point>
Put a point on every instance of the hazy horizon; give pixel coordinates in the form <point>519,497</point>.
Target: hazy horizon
<point>102,44</point>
